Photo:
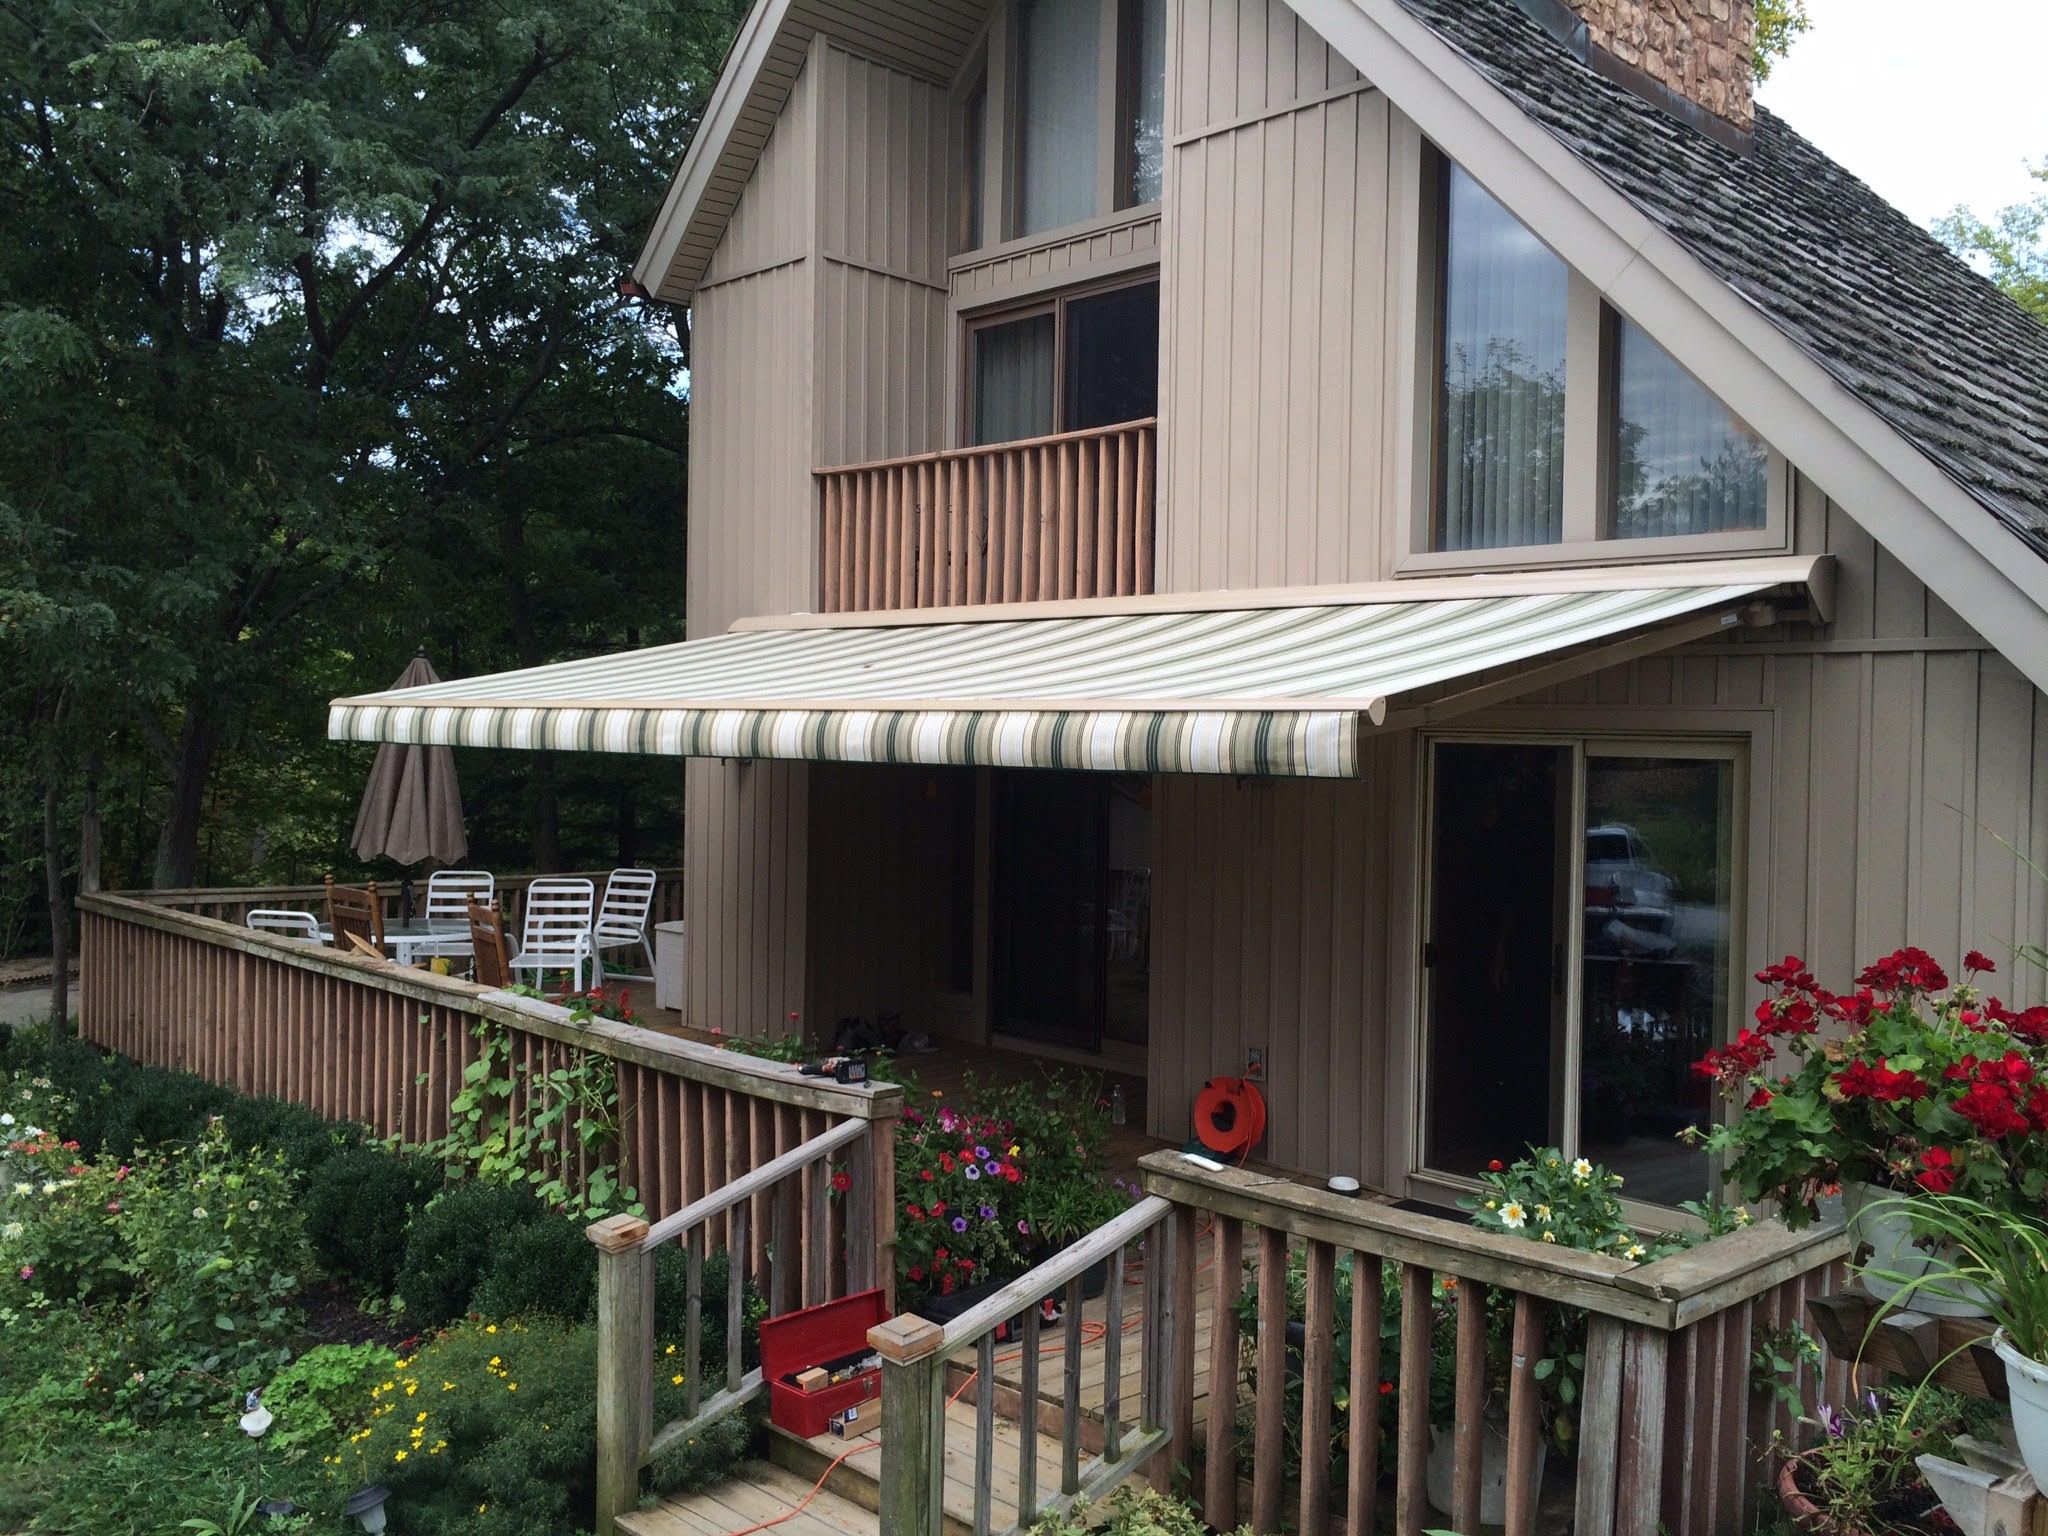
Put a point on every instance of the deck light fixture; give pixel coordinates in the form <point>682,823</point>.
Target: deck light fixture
<point>255,1417</point>
<point>366,1507</point>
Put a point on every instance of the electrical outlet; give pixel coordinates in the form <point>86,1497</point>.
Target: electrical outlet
<point>1255,1064</point>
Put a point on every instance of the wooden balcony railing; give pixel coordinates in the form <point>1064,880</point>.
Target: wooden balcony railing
<point>1672,1426</point>
<point>234,903</point>
<point>371,1041</point>
<point>1048,517</point>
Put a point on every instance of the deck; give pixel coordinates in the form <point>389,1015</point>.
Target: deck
<point>847,1473</point>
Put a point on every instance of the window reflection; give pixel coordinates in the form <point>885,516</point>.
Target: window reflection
<point>1658,906</point>
<point>1683,462</point>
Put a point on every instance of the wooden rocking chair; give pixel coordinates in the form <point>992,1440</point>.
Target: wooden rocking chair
<point>493,955</point>
<point>355,918</point>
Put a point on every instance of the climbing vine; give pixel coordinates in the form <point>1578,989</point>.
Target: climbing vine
<point>571,1115</point>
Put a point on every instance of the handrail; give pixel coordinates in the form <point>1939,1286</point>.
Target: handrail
<point>748,1185</point>
<point>980,450</point>
<point>1051,1275</point>
<point>627,1438</point>
<point>1665,1294</point>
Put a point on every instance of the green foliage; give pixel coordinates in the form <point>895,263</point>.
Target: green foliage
<point>705,1459</point>
<point>1862,1469</point>
<point>358,1206</point>
<point>186,1262</point>
<point>671,1301</point>
<point>1996,1257</point>
<point>452,1244</point>
<point>1573,1203</point>
<point>1130,1511</point>
<point>324,1394</point>
<point>2010,246</point>
<point>1776,1359</point>
<point>548,1267</point>
<point>491,1430</point>
<point>1779,24</point>
<point>565,1150</point>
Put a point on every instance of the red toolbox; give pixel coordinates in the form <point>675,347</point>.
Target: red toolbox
<point>796,1341</point>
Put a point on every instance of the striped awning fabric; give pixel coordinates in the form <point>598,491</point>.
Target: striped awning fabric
<point>1275,690</point>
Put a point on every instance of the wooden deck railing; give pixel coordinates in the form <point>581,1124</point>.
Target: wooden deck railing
<point>1048,517</point>
<point>379,1043</point>
<point>1672,1426</point>
<point>234,903</point>
<point>797,1187</point>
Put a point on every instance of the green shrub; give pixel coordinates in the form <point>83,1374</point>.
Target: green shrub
<point>671,1309</point>
<point>325,1393</point>
<point>302,1138</point>
<point>706,1458</point>
<point>491,1430</point>
<point>548,1268</point>
<point>1132,1511</point>
<point>185,1262</point>
<point>359,1205</point>
<point>452,1243</point>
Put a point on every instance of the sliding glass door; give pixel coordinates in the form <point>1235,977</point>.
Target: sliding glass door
<point>1075,361</point>
<point>1578,954</point>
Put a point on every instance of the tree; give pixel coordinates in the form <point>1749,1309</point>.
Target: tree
<point>2011,247</point>
<point>298,296</point>
<point>1778,25</point>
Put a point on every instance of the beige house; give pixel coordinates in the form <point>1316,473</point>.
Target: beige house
<point>1413,542</point>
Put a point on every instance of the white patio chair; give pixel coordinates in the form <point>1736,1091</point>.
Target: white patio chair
<point>554,931</point>
<point>293,925</point>
<point>449,893</point>
<point>622,915</point>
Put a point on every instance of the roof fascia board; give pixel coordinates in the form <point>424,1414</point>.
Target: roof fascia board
<point>743,65</point>
<point>1892,489</point>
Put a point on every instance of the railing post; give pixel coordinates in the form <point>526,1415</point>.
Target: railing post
<point>914,1411</point>
<point>625,1363</point>
<point>1639,1484</point>
<point>871,1206</point>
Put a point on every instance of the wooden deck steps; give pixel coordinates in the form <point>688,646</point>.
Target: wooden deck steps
<point>763,1490</point>
<point>759,1491</point>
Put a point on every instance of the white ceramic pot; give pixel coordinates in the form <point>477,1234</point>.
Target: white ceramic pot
<point>1441,1470</point>
<point>1878,1218</point>
<point>2026,1381</point>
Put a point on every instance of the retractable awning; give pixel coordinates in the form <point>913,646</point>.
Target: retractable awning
<point>1275,683</point>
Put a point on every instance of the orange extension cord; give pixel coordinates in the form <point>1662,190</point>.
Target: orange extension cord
<point>1091,1333</point>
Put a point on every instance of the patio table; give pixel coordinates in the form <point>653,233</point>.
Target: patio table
<point>419,939</point>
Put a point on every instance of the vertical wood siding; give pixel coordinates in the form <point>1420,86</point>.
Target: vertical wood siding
<point>819,336</point>
<point>1272,334</point>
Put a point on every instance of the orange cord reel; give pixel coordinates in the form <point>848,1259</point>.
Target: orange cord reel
<point>1230,1117</point>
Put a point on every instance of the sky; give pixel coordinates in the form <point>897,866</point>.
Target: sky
<point>1932,102</point>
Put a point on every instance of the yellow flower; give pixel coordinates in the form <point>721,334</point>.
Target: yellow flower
<point>670,1350</point>
<point>490,1327</point>
<point>411,1387</point>
<point>447,1386</point>
<point>675,1381</point>
<point>494,1360</point>
<point>1550,1237</point>
<point>420,1417</point>
<point>398,1455</point>
<point>511,1386</point>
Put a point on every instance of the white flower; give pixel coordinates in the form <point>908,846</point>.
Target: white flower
<point>11,1231</point>
<point>255,1205</point>
<point>1512,1216</point>
<point>50,1186</point>
<point>1633,1251</point>
<point>199,1213</point>
<point>1550,1237</point>
<point>6,1119</point>
<point>32,1131</point>
<point>1582,1170</point>
<point>1543,1213</point>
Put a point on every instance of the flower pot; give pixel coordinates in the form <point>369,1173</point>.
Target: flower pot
<point>1882,1221</point>
<point>1799,1509</point>
<point>1441,1470</point>
<point>2026,1379</point>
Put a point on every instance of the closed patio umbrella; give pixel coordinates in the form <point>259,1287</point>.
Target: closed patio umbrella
<point>412,807</point>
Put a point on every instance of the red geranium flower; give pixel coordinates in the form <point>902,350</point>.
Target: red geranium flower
<point>1937,1171</point>
<point>1759,1099</point>
<point>1905,970</point>
<point>1859,1080</point>
<point>1977,961</point>
<point>1989,1106</point>
<point>842,1182</point>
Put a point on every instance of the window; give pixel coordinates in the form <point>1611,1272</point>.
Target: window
<point>1683,462</point>
<point>1088,359</point>
<point>1058,67</point>
<point>1558,423</point>
<point>1061,117</point>
<point>1501,454</point>
<point>1141,101</point>
<point>1566,1006</point>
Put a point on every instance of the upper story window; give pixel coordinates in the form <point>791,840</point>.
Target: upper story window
<point>1062,119</point>
<point>1558,423</point>
<point>1075,361</point>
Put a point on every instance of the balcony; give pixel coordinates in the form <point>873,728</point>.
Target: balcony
<point>1065,516</point>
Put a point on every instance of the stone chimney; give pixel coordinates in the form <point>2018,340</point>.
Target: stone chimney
<point>1697,51</point>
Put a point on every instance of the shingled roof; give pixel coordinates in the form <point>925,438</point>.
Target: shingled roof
<point>1931,346</point>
